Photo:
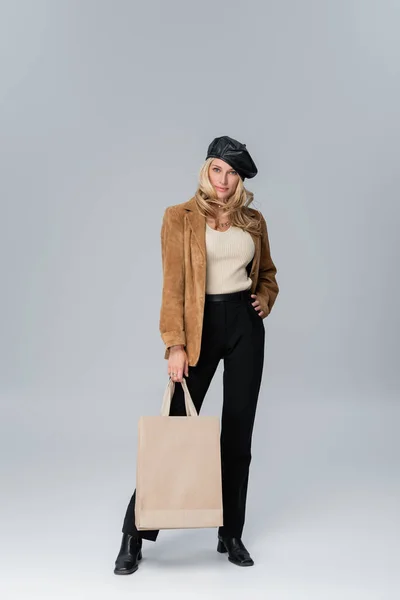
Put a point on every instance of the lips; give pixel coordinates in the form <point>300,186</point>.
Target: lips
<point>221,189</point>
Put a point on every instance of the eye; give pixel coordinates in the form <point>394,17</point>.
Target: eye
<point>218,169</point>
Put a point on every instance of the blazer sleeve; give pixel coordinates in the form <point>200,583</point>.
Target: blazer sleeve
<point>171,322</point>
<point>267,286</point>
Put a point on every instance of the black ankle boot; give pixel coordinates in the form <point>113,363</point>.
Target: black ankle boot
<point>237,552</point>
<point>129,555</point>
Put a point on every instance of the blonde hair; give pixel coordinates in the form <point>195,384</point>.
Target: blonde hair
<point>236,206</point>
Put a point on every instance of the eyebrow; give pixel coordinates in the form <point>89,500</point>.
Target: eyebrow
<point>219,167</point>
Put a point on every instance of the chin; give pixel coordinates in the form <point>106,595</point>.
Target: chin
<point>223,195</point>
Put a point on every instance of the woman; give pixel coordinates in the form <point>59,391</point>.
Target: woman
<point>218,286</point>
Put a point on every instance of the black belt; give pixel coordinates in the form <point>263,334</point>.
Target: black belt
<point>243,294</point>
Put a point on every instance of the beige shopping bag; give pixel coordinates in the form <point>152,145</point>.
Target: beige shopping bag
<point>178,473</point>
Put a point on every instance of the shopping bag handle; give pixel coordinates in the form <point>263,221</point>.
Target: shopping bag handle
<point>169,391</point>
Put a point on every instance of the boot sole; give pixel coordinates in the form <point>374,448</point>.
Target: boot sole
<point>240,564</point>
<point>126,571</point>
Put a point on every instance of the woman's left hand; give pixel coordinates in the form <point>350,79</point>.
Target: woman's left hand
<point>257,307</point>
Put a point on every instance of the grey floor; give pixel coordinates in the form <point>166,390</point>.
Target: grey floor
<point>322,513</point>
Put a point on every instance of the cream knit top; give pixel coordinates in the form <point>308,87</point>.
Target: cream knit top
<point>228,253</point>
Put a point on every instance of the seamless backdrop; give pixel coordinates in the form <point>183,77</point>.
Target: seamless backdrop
<point>106,111</point>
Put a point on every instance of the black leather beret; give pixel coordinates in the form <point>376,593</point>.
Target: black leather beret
<point>234,153</point>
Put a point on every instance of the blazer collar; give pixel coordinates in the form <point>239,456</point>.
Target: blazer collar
<point>198,225</point>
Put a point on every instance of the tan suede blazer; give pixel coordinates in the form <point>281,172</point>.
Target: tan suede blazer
<point>183,245</point>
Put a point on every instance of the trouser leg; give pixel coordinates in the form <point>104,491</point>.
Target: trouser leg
<point>198,382</point>
<point>243,367</point>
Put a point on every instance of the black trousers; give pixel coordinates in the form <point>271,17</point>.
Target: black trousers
<point>233,331</point>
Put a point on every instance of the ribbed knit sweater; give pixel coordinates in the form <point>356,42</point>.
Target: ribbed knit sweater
<point>228,253</point>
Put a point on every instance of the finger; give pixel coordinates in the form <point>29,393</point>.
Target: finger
<point>187,368</point>
<point>173,370</point>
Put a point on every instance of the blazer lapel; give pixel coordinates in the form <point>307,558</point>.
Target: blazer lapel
<point>197,223</point>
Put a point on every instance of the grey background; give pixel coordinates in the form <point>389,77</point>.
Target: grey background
<point>106,111</point>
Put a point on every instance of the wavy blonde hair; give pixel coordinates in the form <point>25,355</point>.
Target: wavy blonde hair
<point>236,206</point>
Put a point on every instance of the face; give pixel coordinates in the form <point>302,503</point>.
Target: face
<point>223,178</point>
